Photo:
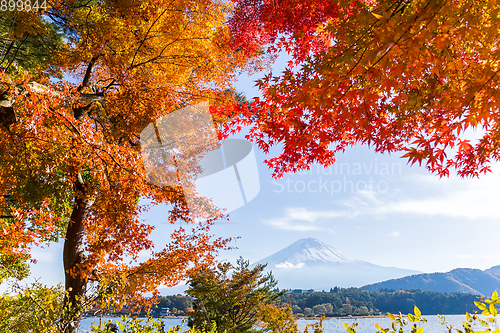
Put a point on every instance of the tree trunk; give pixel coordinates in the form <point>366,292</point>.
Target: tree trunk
<point>73,255</point>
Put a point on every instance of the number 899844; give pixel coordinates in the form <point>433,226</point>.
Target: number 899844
<point>22,5</point>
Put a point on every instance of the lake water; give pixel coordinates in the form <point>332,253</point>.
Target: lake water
<point>169,323</point>
<point>330,325</point>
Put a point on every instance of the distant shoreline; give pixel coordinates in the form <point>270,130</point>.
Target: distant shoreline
<point>348,317</point>
<point>373,316</point>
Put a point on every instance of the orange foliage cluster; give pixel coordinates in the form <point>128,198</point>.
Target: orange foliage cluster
<point>74,148</point>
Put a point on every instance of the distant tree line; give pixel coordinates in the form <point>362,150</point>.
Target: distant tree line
<point>178,305</point>
<point>357,302</point>
<point>352,301</point>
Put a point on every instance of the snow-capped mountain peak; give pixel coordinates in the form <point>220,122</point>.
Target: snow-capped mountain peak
<point>309,263</point>
<point>306,252</point>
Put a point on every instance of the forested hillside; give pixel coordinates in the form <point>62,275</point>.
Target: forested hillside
<point>354,301</point>
<point>463,280</point>
<point>357,302</point>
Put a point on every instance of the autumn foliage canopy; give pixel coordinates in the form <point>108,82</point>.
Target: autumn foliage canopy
<point>71,166</point>
<point>398,75</point>
<point>402,75</point>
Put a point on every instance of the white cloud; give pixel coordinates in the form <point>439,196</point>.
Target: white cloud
<point>424,195</point>
<point>287,264</point>
<point>453,197</point>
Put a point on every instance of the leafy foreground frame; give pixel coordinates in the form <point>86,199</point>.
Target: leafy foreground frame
<point>37,309</point>
<point>487,323</point>
<point>276,319</point>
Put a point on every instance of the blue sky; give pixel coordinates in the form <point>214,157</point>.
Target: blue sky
<point>370,206</point>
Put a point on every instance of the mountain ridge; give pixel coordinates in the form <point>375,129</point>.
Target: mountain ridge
<point>495,270</point>
<point>468,280</point>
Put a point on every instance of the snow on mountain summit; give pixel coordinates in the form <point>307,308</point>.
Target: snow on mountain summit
<point>309,263</point>
<point>304,252</point>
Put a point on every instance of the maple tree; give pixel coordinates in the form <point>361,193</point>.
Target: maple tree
<point>71,166</point>
<point>398,75</point>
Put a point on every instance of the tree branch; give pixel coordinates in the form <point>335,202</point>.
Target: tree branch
<point>86,78</point>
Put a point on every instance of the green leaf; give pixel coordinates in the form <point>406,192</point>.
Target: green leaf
<point>417,311</point>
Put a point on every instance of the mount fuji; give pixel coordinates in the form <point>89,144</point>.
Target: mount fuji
<point>311,264</point>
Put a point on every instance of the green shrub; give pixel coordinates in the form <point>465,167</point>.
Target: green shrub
<point>35,308</point>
